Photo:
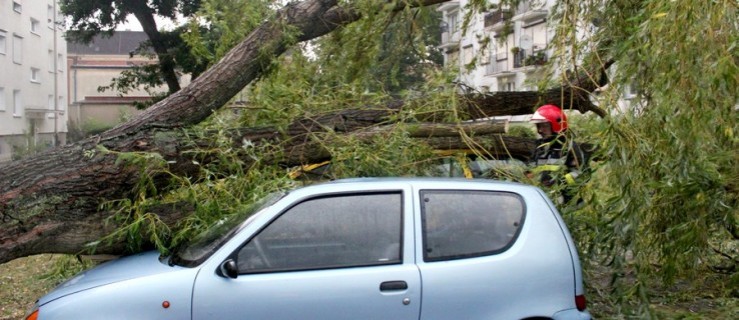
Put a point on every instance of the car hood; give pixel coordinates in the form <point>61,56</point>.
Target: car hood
<point>130,267</point>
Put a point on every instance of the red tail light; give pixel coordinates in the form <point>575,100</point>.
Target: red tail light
<point>580,302</point>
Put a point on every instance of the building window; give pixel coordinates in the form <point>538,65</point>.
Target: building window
<point>2,99</point>
<point>59,20</point>
<point>485,53</point>
<point>507,86</point>
<point>3,41</point>
<point>60,62</point>
<point>51,61</point>
<point>631,90</point>
<point>467,55</point>
<point>62,105</point>
<point>50,106</point>
<point>35,75</point>
<point>453,21</point>
<point>453,58</point>
<point>35,26</point>
<point>50,16</point>
<point>17,7</point>
<point>17,49</point>
<point>17,103</point>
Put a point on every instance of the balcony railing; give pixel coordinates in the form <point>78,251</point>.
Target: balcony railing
<point>503,66</point>
<point>498,64</point>
<point>40,113</point>
<point>518,58</point>
<point>495,17</point>
<point>450,39</point>
<point>522,58</point>
<point>449,5</point>
<point>527,11</point>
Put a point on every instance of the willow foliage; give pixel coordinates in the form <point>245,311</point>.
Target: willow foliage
<point>665,200</point>
<point>385,55</point>
<point>221,24</point>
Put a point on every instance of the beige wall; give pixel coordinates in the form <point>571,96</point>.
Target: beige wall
<point>101,114</point>
<point>87,73</point>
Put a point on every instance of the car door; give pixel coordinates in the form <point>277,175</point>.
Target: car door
<point>488,255</point>
<point>338,256</point>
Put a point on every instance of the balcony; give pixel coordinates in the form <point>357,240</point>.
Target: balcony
<point>41,113</point>
<point>449,5</point>
<point>496,20</point>
<point>528,12</point>
<point>499,65</point>
<point>450,40</point>
<point>523,58</point>
<point>498,68</point>
<point>497,16</point>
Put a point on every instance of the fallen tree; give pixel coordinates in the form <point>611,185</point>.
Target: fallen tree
<point>51,202</point>
<point>59,210</point>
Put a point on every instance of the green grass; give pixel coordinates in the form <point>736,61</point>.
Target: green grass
<point>24,280</point>
<point>708,297</point>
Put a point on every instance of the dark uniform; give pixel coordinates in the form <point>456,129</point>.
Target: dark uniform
<point>557,158</point>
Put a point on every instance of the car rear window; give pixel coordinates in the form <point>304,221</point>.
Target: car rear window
<point>463,224</point>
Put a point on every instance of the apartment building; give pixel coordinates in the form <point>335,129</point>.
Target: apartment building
<point>509,45</point>
<point>33,85</point>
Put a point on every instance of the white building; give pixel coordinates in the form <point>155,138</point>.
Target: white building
<point>509,44</point>
<point>33,85</point>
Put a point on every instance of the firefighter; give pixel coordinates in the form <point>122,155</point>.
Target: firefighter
<point>557,158</point>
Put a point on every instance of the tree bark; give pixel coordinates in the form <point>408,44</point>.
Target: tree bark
<point>51,202</point>
<point>145,16</point>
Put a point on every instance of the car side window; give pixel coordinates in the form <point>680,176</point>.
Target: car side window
<point>329,232</point>
<point>463,224</point>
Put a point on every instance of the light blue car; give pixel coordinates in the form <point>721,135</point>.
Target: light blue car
<point>353,249</point>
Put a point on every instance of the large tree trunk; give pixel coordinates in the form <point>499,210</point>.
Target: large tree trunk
<point>60,212</point>
<point>51,203</point>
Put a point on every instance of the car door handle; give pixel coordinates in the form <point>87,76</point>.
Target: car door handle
<point>393,286</point>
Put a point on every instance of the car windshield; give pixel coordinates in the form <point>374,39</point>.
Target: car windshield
<point>202,246</point>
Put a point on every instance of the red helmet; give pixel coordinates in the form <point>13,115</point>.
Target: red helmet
<point>552,114</point>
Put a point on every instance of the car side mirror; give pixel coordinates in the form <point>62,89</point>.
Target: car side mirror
<point>229,269</point>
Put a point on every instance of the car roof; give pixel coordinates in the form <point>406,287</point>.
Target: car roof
<point>422,181</point>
